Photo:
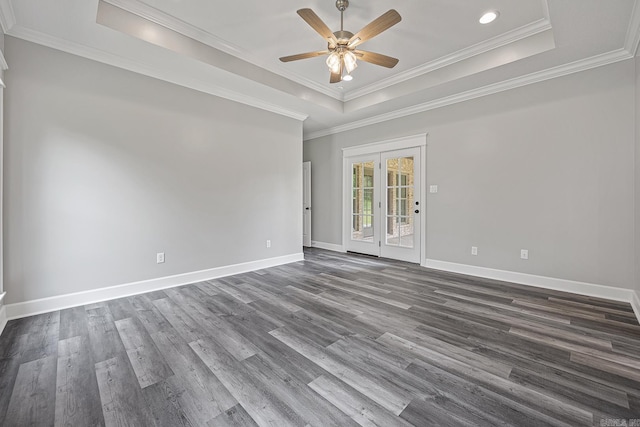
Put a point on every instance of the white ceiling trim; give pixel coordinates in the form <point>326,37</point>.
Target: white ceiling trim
<point>445,61</point>
<point>154,15</point>
<point>632,39</point>
<point>551,73</point>
<point>141,68</point>
<point>3,62</point>
<point>7,16</point>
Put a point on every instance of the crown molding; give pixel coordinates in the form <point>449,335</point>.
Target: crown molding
<point>3,61</point>
<point>7,16</point>
<point>161,18</point>
<point>141,68</point>
<point>539,76</point>
<point>545,10</point>
<point>158,17</point>
<point>632,39</point>
<point>461,55</point>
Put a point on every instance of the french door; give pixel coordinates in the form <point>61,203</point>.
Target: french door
<point>385,210</point>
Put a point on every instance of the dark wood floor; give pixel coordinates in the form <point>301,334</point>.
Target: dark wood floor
<point>336,340</point>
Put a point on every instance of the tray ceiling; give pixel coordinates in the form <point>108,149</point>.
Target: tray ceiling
<point>231,49</point>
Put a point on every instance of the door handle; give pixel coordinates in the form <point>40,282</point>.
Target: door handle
<point>417,211</point>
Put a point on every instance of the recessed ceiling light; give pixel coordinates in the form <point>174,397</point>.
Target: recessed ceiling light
<point>347,77</point>
<point>490,16</point>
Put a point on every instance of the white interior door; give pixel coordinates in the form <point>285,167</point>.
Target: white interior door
<point>400,183</point>
<point>383,204</point>
<point>306,204</point>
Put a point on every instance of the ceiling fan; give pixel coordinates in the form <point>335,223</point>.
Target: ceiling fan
<point>342,44</point>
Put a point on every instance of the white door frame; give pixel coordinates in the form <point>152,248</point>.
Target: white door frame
<point>413,254</point>
<point>306,204</point>
<point>419,141</point>
<point>365,247</point>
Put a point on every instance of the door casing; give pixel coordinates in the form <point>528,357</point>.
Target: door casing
<point>349,153</point>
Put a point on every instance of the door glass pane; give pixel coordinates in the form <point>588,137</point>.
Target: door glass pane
<point>392,237</point>
<point>399,221</point>
<point>407,171</point>
<point>362,201</point>
<point>368,175</point>
<point>406,232</point>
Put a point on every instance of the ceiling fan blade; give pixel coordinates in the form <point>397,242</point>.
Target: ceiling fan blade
<point>303,56</point>
<point>376,58</point>
<point>317,24</point>
<point>335,78</point>
<point>375,27</point>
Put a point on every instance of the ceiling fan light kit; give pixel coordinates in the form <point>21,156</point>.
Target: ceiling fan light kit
<point>341,45</point>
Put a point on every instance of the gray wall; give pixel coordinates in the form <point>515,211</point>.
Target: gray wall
<point>547,167</point>
<point>104,168</point>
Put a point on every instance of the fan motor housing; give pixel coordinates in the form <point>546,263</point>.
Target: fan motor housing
<point>343,36</point>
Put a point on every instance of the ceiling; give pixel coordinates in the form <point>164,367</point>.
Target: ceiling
<point>231,49</point>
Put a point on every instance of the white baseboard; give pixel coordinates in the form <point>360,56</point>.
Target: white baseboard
<point>635,304</point>
<point>582,288</point>
<point>44,305</point>
<point>3,317</point>
<point>328,246</point>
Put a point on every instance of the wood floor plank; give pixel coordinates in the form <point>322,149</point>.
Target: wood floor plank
<point>148,313</point>
<point>360,408</point>
<point>293,362</point>
<point>184,324</point>
<point>103,334</point>
<point>33,397</point>
<point>147,362</point>
<point>264,407</point>
<point>214,326</point>
<point>543,402</point>
<point>467,394</point>
<point>122,401</point>
<point>166,404</point>
<point>121,308</point>
<point>201,394</point>
<point>633,362</point>
<point>595,402</point>
<point>312,408</point>
<point>8,373</point>
<point>390,396</point>
<point>606,365</point>
<point>234,417</point>
<point>77,401</point>
<point>73,322</point>
<point>42,338</point>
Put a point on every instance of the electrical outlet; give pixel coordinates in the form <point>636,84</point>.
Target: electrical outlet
<point>524,254</point>
<point>268,243</point>
<point>160,257</point>
<point>474,250</point>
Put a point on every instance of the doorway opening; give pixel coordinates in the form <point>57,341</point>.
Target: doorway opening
<point>384,209</point>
